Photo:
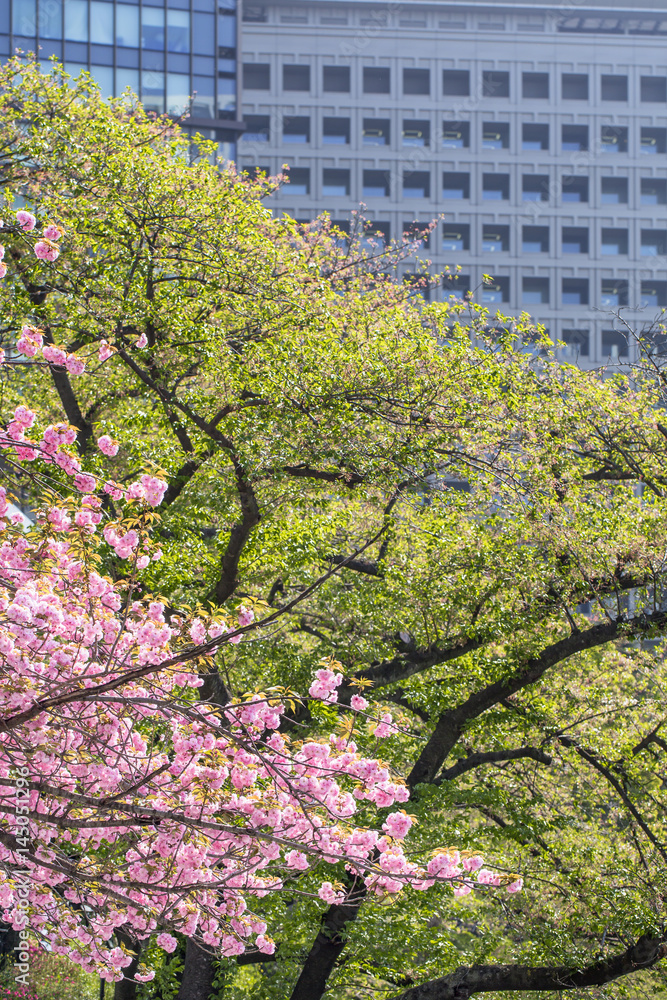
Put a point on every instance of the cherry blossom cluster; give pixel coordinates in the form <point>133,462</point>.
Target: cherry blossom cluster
<point>56,447</point>
<point>46,246</point>
<point>144,806</point>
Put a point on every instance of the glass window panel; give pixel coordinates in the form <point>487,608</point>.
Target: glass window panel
<point>226,94</point>
<point>152,28</point>
<point>101,23</point>
<point>152,90</point>
<point>178,93</point>
<point>103,75</point>
<point>127,26</point>
<point>203,102</point>
<point>178,31</point>
<point>25,17</point>
<point>50,19</point>
<point>127,78</point>
<point>227,31</point>
<point>76,20</point>
<point>203,34</point>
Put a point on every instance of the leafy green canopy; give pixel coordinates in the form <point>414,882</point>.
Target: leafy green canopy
<point>306,412</point>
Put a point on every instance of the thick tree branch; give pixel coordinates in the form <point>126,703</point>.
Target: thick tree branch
<point>492,757</point>
<point>467,982</point>
<point>304,471</point>
<point>452,722</point>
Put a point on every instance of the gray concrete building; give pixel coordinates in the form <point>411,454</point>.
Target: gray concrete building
<point>539,131</point>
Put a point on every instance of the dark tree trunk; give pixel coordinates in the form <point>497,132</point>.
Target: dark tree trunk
<point>326,949</point>
<point>126,989</point>
<point>198,974</point>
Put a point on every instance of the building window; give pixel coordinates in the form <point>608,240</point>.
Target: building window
<point>614,191</point>
<point>535,239</point>
<point>375,184</point>
<point>456,82</point>
<point>376,80</point>
<point>299,181</point>
<point>535,187</point>
<point>495,239</point>
<point>455,237</point>
<point>178,31</point>
<point>375,132</point>
<point>256,76</point>
<point>203,34</point>
<point>535,291</point>
<point>574,188</point>
<point>296,129</point>
<point>577,343</point>
<point>574,240</point>
<point>495,83</point>
<point>614,242</point>
<point>575,291</point>
<point>495,187</point>
<point>653,191</point>
<point>496,290</point>
<point>152,91</point>
<point>455,185</point>
<point>614,88</point>
<point>653,140</point>
<point>653,242</point>
<point>613,293</point>
<point>535,86</point>
<point>574,86</point>
<point>254,14</point>
<point>574,138</point>
<point>653,89</point>
<point>416,81</point>
<point>653,293</point>
<point>376,234</point>
<point>127,23</point>
<point>203,103</point>
<point>336,79</point>
<point>336,183</point>
<point>296,77</point>
<point>417,184</point>
<point>258,128</point>
<point>534,136</point>
<point>335,131</point>
<point>614,345</point>
<point>455,135</point>
<point>152,28</point>
<point>614,139</point>
<point>456,286</point>
<point>416,133</point>
<point>495,135</point>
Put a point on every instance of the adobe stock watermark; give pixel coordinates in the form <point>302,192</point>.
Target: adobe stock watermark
<point>22,875</point>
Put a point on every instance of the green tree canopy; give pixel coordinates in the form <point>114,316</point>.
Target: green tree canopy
<point>497,525</point>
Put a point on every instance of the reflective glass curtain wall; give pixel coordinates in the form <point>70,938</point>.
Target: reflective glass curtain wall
<point>166,53</point>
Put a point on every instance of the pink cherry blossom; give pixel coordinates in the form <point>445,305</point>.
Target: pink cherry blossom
<point>167,941</point>
<point>26,220</point>
<point>3,269</point>
<point>54,355</point>
<point>515,886</point>
<point>357,703</point>
<point>142,341</point>
<point>52,232</point>
<point>105,351</point>
<point>107,445</point>
<point>397,824</point>
<point>46,250</point>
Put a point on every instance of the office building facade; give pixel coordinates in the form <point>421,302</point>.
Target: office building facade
<point>538,131</point>
<point>164,51</point>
